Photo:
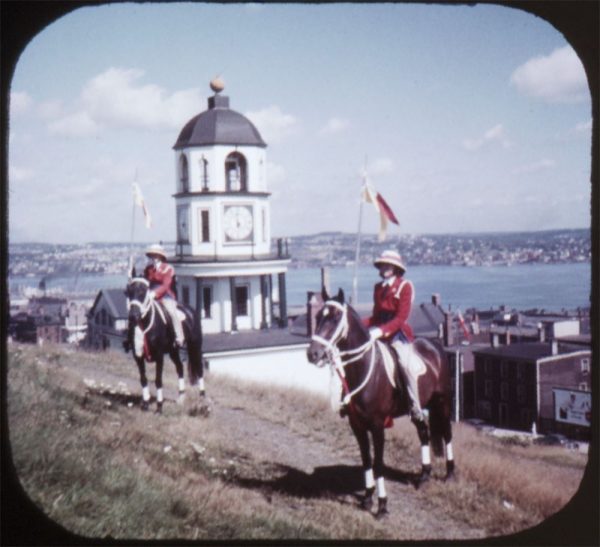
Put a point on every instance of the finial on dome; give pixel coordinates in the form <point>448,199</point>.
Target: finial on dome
<point>217,84</point>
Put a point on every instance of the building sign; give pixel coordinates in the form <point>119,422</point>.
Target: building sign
<point>573,407</point>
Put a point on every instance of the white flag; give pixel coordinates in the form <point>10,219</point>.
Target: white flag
<point>139,200</point>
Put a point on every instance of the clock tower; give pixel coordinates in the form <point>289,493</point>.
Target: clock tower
<point>224,263</point>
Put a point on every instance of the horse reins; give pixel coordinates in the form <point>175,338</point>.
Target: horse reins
<point>336,356</point>
<point>148,305</point>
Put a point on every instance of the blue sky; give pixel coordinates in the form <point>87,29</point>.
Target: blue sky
<point>467,118</point>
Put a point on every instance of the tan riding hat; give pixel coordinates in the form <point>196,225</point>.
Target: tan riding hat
<point>156,250</point>
<point>392,258</point>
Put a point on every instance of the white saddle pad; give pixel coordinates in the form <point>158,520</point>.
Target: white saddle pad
<point>409,358</point>
<point>181,315</point>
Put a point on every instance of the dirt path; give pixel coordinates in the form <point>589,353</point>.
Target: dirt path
<point>304,465</point>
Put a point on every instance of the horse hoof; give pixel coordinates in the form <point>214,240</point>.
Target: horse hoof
<point>423,479</point>
<point>144,406</point>
<point>366,504</point>
<point>450,477</point>
<point>382,509</point>
<point>159,409</point>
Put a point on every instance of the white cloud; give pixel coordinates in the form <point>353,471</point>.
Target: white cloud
<point>495,134</point>
<point>583,127</point>
<point>20,102</point>
<point>115,99</point>
<point>334,125</point>
<point>79,124</point>
<point>381,166</point>
<point>272,123</point>
<point>19,174</point>
<point>534,167</point>
<point>558,77</point>
<point>50,110</point>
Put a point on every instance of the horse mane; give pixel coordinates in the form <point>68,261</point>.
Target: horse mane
<point>355,321</point>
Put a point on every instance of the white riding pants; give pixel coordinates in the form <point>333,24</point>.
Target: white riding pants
<point>405,354</point>
<point>171,307</point>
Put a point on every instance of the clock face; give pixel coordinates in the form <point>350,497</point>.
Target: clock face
<point>238,223</point>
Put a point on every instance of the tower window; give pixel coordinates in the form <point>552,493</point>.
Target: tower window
<point>236,173</point>
<point>184,174</point>
<point>204,225</point>
<point>204,174</point>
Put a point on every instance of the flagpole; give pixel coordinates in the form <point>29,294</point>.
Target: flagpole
<point>133,206</point>
<point>358,235</point>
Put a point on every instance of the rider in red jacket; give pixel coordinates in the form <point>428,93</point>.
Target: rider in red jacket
<point>160,276</point>
<point>392,302</point>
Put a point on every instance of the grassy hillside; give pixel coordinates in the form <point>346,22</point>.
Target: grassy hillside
<point>96,464</point>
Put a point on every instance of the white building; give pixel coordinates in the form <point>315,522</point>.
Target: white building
<point>224,263</point>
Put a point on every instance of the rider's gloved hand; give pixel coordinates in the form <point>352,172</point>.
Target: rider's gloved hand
<point>151,295</point>
<point>375,333</point>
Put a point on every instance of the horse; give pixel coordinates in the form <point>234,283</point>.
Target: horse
<point>154,337</point>
<point>342,341</point>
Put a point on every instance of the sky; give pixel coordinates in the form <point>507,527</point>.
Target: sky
<point>465,118</point>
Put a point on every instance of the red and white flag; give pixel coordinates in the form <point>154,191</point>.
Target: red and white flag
<point>139,200</point>
<point>463,325</point>
<point>385,211</point>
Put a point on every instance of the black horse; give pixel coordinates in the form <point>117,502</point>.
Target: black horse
<point>153,337</point>
<point>342,341</point>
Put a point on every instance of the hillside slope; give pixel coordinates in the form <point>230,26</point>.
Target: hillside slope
<point>248,462</point>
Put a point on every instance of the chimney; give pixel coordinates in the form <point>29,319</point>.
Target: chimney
<point>507,336</point>
<point>436,299</point>
<point>541,332</point>
<point>554,347</point>
<point>447,326</point>
<point>494,341</point>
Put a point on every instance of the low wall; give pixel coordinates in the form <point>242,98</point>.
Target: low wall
<point>282,366</point>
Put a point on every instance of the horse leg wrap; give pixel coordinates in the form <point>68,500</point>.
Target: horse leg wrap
<point>159,396</point>
<point>201,386</point>
<point>425,455</point>
<point>369,480</point>
<point>381,488</point>
<point>181,385</point>
<point>449,452</point>
<point>146,393</point>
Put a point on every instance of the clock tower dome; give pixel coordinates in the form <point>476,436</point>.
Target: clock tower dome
<point>223,258</point>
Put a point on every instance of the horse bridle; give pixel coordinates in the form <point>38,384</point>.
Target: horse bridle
<point>148,305</point>
<point>335,356</point>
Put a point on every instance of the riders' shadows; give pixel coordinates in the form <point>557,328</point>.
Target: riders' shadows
<point>328,481</point>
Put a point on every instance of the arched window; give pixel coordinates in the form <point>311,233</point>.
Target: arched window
<point>184,176</point>
<point>236,173</point>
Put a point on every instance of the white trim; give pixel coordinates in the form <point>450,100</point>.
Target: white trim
<point>246,351</point>
<point>564,356</point>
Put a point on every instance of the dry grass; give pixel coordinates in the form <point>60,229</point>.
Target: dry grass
<point>81,453</point>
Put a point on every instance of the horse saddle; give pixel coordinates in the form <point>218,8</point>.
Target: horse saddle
<point>401,353</point>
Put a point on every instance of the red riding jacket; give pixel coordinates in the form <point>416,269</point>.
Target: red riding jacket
<point>391,309</point>
<point>161,279</point>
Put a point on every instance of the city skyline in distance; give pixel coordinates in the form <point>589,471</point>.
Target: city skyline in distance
<point>470,129</point>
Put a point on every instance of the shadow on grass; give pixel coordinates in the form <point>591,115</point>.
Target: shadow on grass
<point>335,481</point>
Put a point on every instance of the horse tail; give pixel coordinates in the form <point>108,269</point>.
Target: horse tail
<point>193,338</point>
<point>437,423</point>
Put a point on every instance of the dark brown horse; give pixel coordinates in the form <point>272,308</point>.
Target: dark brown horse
<point>342,341</point>
<point>153,336</point>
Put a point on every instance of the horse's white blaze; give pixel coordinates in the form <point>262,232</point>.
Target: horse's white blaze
<point>381,487</point>
<point>159,395</point>
<point>449,452</point>
<point>369,479</point>
<point>146,393</point>
<point>425,455</point>
<point>181,384</point>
